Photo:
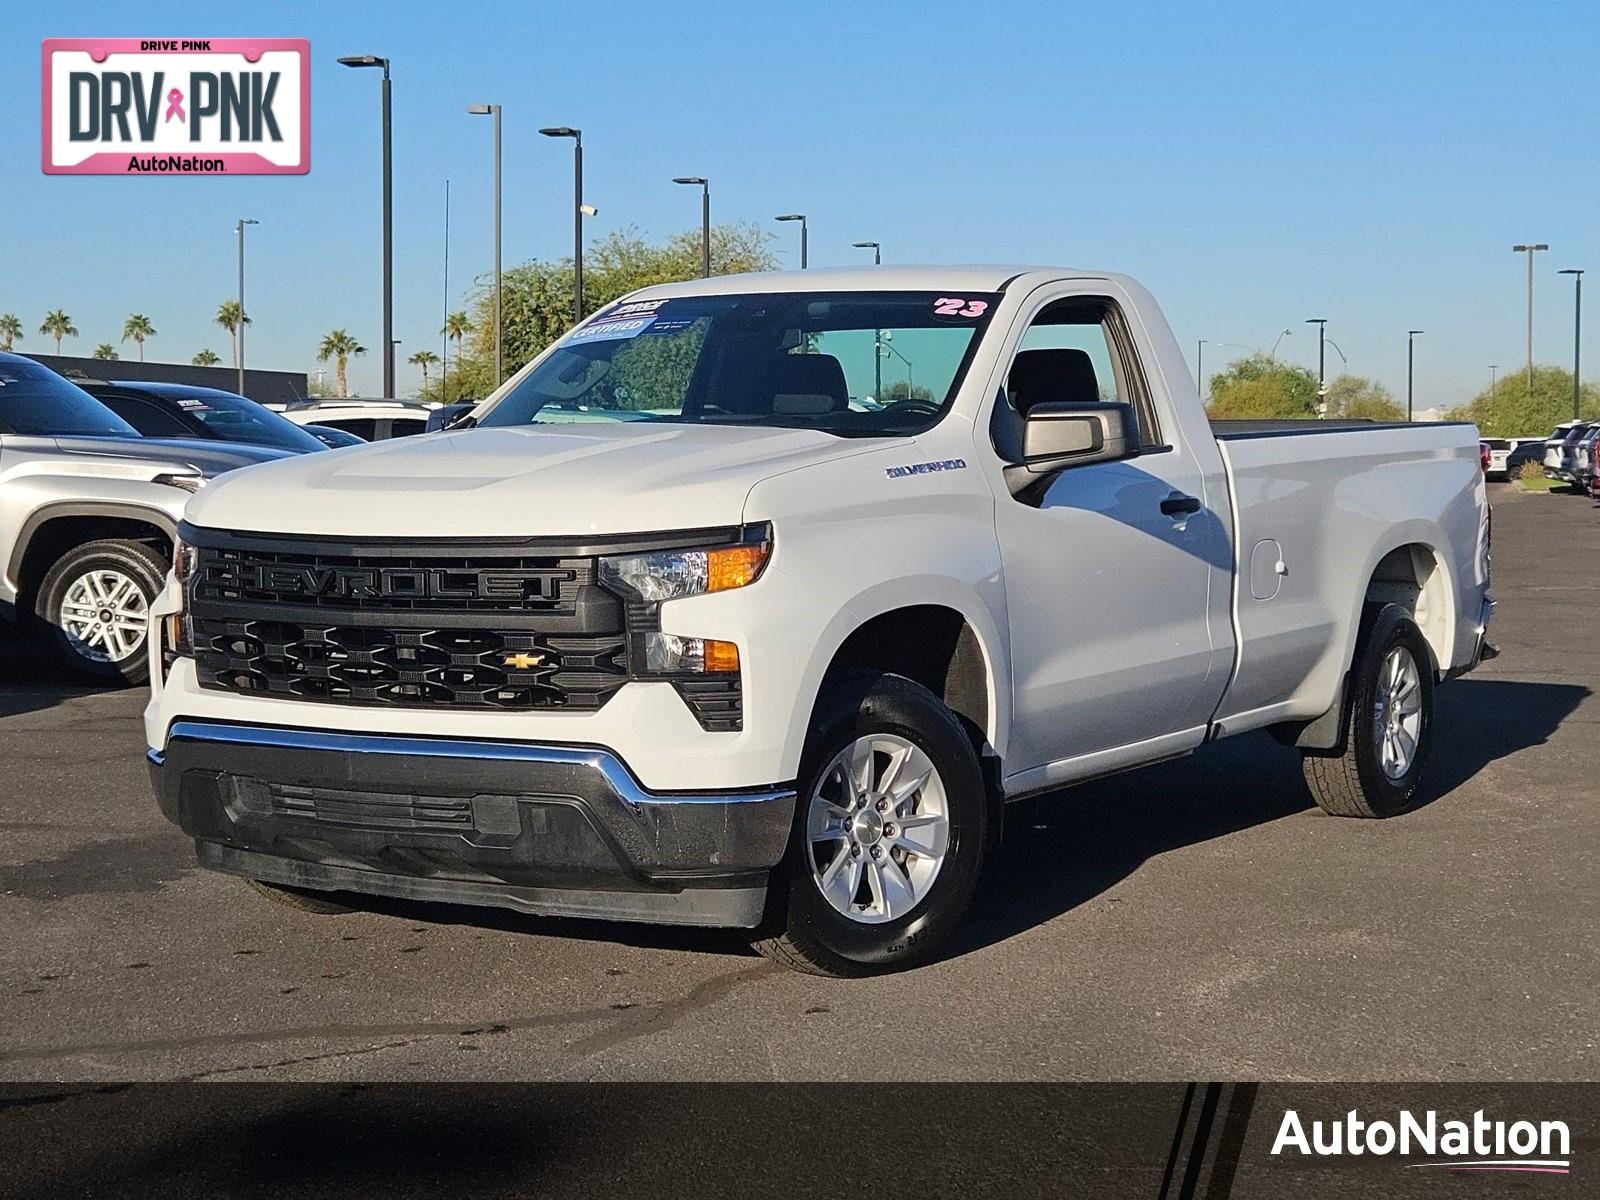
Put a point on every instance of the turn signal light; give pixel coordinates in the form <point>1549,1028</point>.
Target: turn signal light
<point>735,567</point>
<point>721,656</point>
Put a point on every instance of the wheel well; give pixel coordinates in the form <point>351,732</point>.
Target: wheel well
<point>1411,577</point>
<point>59,534</point>
<point>933,646</point>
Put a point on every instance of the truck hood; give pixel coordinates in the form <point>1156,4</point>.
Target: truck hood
<point>530,481</point>
<point>208,457</point>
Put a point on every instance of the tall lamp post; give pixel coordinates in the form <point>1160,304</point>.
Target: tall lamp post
<point>1322,362</point>
<point>1200,367</point>
<point>1577,333</point>
<point>493,110</point>
<point>877,334</point>
<point>705,220</point>
<point>1273,353</point>
<point>1530,248</point>
<point>239,229</point>
<point>1411,361</point>
<point>1493,367</point>
<point>372,60</point>
<point>801,217</point>
<point>566,131</point>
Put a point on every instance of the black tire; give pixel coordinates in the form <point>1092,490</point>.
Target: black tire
<point>1355,783</point>
<point>804,931</point>
<point>147,568</point>
<point>300,899</point>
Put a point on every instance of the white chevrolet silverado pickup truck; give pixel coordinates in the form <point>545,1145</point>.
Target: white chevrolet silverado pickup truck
<point>752,601</point>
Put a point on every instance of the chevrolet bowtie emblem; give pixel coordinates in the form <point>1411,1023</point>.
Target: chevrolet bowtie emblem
<point>523,662</point>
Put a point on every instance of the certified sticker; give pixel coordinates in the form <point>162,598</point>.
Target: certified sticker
<point>149,106</point>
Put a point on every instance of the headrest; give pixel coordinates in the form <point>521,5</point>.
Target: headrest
<point>808,385</point>
<point>1062,376</point>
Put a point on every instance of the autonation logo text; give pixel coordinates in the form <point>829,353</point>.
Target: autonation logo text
<point>1479,1144</point>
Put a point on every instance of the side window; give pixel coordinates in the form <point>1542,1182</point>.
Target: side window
<point>149,419</point>
<point>404,427</point>
<point>1079,351</point>
<point>365,430</point>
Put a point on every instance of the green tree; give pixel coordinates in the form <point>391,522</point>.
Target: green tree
<point>1513,409</point>
<point>456,327</point>
<point>232,318</point>
<point>1362,399</point>
<point>341,347</point>
<point>1260,387</point>
<point>206,358</point>
<point>58,325</point>
<point>423,359</point>
<point>105,350</point>
<point>10,330</point>
<point>537,307</point>
<point>138,327</point>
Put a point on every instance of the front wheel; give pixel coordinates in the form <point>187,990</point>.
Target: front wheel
<point>95,602</point>
<point>1389,724</point>
<point>891,828</point>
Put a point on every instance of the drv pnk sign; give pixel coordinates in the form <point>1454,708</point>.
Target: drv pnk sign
<point>170,106</point>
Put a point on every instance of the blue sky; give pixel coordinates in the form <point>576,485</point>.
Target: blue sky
<point>1253,163</point>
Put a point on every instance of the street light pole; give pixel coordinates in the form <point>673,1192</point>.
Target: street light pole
<point>1322,362</point>
<point>801,217</point>
<point>1493,367</point>
<point>1577,334</point>
<point>566,131</point>
<point>239,229</point>
<point>705,220</point>
<point>877,251</point>
<point>1200,368</point>
<point>372,60</point>
<point>1529,248</point>
<point>499,322</point>
<point>1411,359</point>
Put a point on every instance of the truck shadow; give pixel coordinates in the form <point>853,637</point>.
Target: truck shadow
<point>1063,849</point>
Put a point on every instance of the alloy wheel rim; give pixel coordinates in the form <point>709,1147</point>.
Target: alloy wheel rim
<point>1397,712</point>
<point>105,615</point>
<point>878,828</point>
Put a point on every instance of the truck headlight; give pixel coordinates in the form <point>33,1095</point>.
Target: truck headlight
<point>177,639</point>
<point>661,575</point>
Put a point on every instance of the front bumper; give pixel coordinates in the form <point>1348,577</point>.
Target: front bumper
<point>560,830</point>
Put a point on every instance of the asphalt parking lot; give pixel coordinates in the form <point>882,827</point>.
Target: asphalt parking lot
<point>1197,919</point>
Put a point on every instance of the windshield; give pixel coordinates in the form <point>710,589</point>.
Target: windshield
<point>236,419</point>
<point>854,364</point>
<point>35,400</point>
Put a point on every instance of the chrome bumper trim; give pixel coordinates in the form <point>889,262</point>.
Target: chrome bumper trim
<point>612,768</point>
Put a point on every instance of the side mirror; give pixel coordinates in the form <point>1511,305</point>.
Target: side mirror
<point>449,415</point>
<point>1056,436</point>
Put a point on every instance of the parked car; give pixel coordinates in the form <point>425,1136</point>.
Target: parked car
<point>333,438</point>
<point>1583,458</point>
<point>761,659</point>
<point>369,420</point>
<point>1500,452</point>
<point>1559,449</point>
<point>1523,452</point>
<point>88,511</point>
<point>181,410</point>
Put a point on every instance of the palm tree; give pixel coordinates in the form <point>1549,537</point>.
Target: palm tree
<point>456,326</point>
<point>423,359</point>
<point>341,347</point>
<point>206,358</point>
<point>105,350</point>
<point>231,317</point>
<point>10,330</point>
<point>58,325</point>
<point>138,328</point>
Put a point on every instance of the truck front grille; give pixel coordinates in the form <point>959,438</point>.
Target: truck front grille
<point>360,664</point>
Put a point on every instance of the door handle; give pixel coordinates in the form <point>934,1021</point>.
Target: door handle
<point>1179,505</point>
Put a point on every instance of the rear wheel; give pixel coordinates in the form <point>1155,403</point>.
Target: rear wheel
<point>1389,724</point>
<point>891,827</point>
<point>95,603</point>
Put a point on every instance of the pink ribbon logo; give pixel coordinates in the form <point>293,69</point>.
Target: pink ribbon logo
<point>174,106</point>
